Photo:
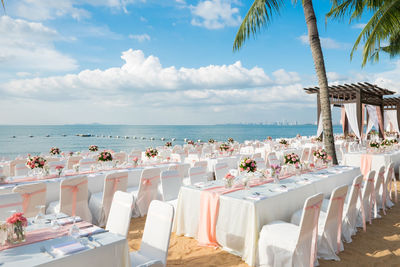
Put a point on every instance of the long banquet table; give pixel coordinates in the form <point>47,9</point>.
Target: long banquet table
<point>240,218</point>
<point>108,250</point>
<point>377,160</point>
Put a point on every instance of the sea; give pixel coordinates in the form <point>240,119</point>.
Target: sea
<point>21,140</point>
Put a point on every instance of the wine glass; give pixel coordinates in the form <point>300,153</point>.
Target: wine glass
<point>39,218</point>
<point>74,231</point>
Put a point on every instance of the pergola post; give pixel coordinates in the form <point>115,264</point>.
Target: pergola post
<point>382,131</point>
<point>359,111</point>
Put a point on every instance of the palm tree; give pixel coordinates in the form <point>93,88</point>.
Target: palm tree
<point>383,25</point>
<point>260,14</point>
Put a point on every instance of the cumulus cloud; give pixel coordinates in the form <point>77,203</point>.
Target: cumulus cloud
<point>326,42</point>
<point>28,46</point>
<point>215,14</point>
<point>140,37</point>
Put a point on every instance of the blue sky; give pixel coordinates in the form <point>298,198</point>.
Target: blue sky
<point>177,64</point>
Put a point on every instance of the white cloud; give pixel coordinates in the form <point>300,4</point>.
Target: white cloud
<point>28,46</point>
<point>326,42</point>
<point>215,14</point>
<point>359,25</point>
<point>39,10</point>
<point>140,37</point>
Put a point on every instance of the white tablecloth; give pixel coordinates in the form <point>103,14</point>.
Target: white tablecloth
<point>378,160</point>
<point>113,252</point>
<point>240,220</point>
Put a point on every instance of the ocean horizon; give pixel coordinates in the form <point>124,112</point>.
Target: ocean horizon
<point>19,140</point>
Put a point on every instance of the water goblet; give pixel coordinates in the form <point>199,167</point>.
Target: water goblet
<point>39,218</point>
<point>74,231</point>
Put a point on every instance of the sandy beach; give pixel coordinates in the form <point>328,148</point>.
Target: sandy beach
<point>379,246</point>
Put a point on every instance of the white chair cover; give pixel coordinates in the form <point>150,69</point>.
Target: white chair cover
<point>272,159</point>
<point>120,157</point>
<point>368,200</point>
<point>221,170</point>
<point>298,247</point>
<point>87,164</point>
<point>32,195</point>
<point>15,162</point>
<point>260,162</point>
<point>156,236</point>
<point>389,177</point>
<point>53,164</point>
<point>197,174</point>
<point>9,203</point>
<point>100,203</point>
<point>72,160</point>
<point>305,154</point>
<point>120,214</point>
<point>147,191</point>
<point>378,186</point>
<point>171,182</point>
<point>202,163</point>
<point>21,169</point>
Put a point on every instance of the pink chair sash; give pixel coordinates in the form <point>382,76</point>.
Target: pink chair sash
<point>316,207</point>
<point>10,205</point>
<point>74,189</point>
<point>147,181</point>
<point>26,198</point>
<point>366,161</point>
<point>340,218</point>
<point>358,186</point>
<point>221,167</point>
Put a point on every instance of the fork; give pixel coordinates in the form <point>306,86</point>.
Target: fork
<point>44,250</point>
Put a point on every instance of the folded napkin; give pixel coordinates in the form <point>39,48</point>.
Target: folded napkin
<point>68,248</point>
<point>90,231</point>
<point>255,197</point>
<point>203,184</point>
<point>280,189</point>
<point>68,220</point>
<point>303,181</point>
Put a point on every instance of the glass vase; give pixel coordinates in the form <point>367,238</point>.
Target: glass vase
<point>16,233</point>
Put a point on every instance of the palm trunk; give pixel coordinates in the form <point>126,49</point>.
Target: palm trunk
<point>319,64</point>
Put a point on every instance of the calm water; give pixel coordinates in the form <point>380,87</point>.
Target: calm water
<point>39,143</point>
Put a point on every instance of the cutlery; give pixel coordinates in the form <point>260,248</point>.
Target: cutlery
<point>44,250</point>
<point>91,239</point>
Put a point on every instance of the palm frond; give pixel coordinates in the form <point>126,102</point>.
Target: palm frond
<point>260,14</point>
<point>4,7</point>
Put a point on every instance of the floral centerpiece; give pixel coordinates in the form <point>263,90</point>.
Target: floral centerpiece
<point>292,158</point>
<point>151,152</point>
<point>224,147</point>
<point>190,142</point>
<point>230,140</point>
<point>211,141</point>
<point>17,222</point>
<point>55,151</point>
<point>71,153</point>
<point>248,165</point>
<point>321,155</point>
<point>3,233</point>
<point>93,148</point>
<point>275,170</point>
<point>374,144</point>
<point>35,162</point>
<point>269,138</point>
<point>59,169</point>
<point>283,142</point>
<point>135,161</point>
<point>168,144</point>
<point>386,143</point>
<point>229,178</point>
<point>105,156</point>
<point>394,141</point>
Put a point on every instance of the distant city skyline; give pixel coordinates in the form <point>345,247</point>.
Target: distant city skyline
<point>168,62</point>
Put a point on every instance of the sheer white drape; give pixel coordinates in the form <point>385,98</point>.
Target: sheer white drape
<point>320,127</point>
<point>391,120</point>
<point>351,112</point>
<point>372,118</point>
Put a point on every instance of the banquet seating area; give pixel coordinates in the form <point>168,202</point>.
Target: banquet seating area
<point>276,202</point>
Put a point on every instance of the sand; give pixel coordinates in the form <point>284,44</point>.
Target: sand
<point>379,246</point>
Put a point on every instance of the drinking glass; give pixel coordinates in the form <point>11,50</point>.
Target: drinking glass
<point>74,230</point>
<point>39,218</point>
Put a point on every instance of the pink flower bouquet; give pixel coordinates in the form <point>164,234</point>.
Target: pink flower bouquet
<point>248,165</point>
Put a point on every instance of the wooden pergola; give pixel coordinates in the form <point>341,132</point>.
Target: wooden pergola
<point>360,93</point>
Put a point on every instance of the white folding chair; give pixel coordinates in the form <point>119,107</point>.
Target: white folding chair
<point>73,199</point>
<point>299,245</point>
<point>33,195</point>
<point>378,186</point>
<point>72,160</point>
<point>87,164</point>
<point>21,169</point>
<point>329,225</point>
<point>221,170</point>
<point>100,203</point>
<point>53,164</point>
<point>305,154</point>
<point>272,159</point>
<point>385,193</point>
<point>146,192</point>
<point>9,203</point>
<point>202,163</point>
<point>171,183</point>
<point>120,214</point>
<point>368,200</point>
<point>15,162</point>
<point>120,157</point>
<point>260,162</point>
<point>156,235</point>
<point>197,174</point>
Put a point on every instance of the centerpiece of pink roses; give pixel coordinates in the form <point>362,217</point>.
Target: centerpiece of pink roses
<point>105,156</point>
<point>168,144</point>
<point>151,152</point>
<point>248,165</point>
<point>224,147</point>
<point>292,159</point>
<point>54,151</point>
<point>93,148</point>
<point>35,162</point>
<point>17,222</point>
